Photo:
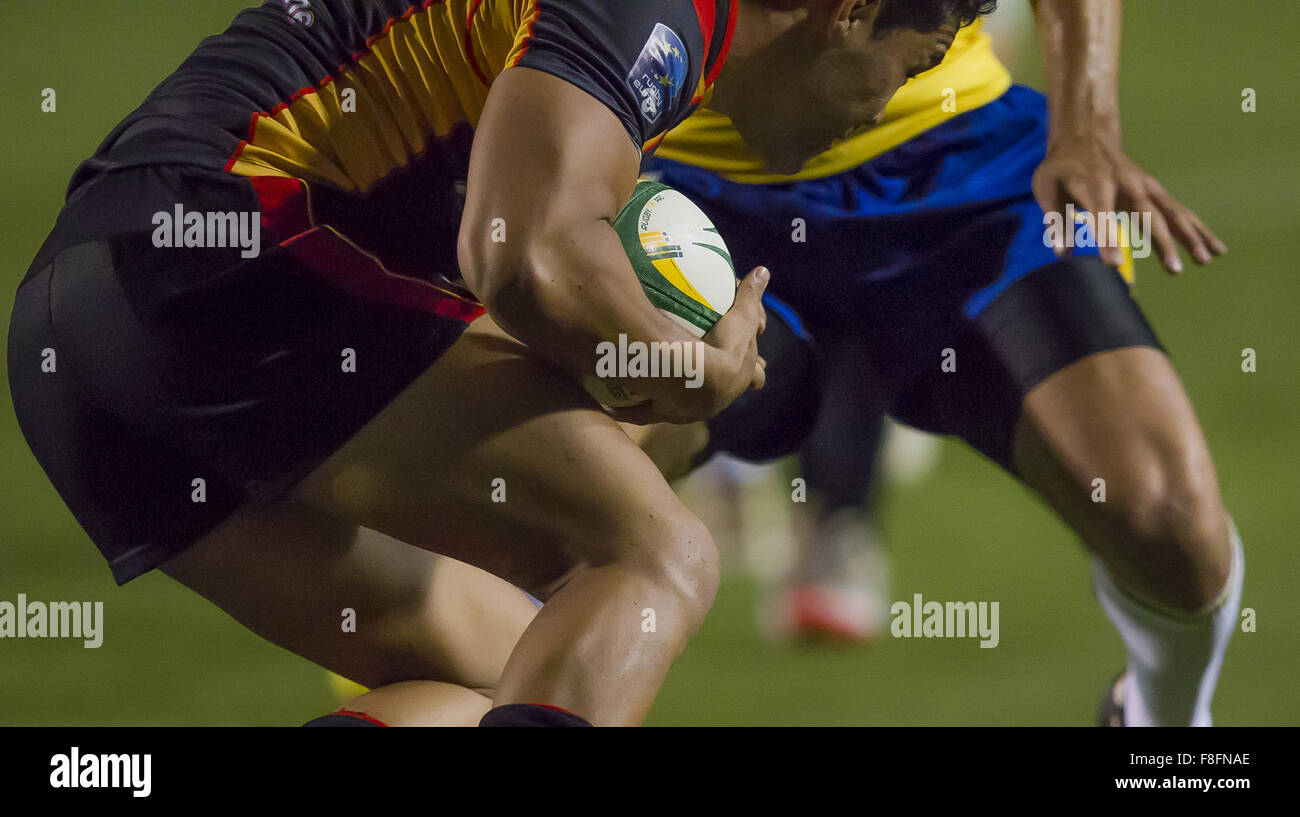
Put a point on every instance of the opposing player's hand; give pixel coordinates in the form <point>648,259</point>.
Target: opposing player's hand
<point>730,364</point>
<point>1096,175</point>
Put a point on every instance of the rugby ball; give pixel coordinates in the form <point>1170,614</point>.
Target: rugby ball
<point>682,263</point>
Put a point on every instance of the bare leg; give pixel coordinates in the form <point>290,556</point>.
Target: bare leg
<point>1122,416</point>
<point>289,574</point>
<point>1170,564</point>
<point>583,510</point>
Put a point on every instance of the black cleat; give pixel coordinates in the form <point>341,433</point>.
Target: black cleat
<point>1111,710</point>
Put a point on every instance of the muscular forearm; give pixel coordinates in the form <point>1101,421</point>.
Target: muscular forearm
<point>576,289</point>
<point>1085,163</point>
<point>1080,44</point>
<point>550,168</point>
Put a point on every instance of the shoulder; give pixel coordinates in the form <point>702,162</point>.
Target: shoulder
<point>648,60</point>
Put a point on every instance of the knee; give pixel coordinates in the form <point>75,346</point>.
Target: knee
<point>1173,536</point>
<point>676,552</point>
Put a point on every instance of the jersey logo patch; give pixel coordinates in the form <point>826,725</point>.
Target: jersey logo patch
<point>658,75</point>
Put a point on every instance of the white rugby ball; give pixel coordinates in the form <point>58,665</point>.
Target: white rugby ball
<point>682,263</point>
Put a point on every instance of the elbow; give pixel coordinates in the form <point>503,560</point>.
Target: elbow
<point>500,275</point>
<point>478,263</point>
<point>489,268</point>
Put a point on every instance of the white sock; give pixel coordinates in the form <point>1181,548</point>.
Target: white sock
<point>1173,658</point>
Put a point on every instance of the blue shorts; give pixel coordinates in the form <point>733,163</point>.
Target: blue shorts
<point>886,218</point>
<point>923,255</point>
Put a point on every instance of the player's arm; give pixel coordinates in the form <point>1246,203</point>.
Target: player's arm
<point>550,168</point>
<point>1086,163</point>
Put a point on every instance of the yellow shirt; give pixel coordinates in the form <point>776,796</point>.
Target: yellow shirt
<point>969,76</point>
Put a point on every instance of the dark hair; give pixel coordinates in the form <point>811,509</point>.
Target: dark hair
<point>929,15</point>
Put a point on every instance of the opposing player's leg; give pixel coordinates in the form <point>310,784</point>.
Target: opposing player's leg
<point>497,460</point>
<point>1112,443</point>
<point>1170,562</point>
<point>836,590</point>
<point>1061,380</point>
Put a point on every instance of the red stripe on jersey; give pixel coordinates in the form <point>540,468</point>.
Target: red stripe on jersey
<point>361,715</point>
<point>285,208</point>
<point>726,45</point>
<point>469,43</point>
<point>252,120</point>
<point>707,11</point>
<point>330,255</point>
<point>556,708</point>
<point>239,151</point>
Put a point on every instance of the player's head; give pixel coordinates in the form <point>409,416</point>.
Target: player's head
<point>822,69</point>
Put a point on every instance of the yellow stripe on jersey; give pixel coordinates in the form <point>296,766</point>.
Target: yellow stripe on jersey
<point>969,76</point>
<point>418,81</point>
<point>528,16</point>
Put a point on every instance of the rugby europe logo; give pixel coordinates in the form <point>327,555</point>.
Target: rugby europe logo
<point>299,11</point>
<point>659,73</point>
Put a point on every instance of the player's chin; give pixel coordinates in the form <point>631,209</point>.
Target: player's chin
<point>790,156</point>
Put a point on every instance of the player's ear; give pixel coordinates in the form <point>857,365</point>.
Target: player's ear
<point>826,15</point>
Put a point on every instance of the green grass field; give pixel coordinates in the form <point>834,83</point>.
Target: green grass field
<point>968,532</point>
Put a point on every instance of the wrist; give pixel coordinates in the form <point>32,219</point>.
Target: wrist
<point>1105,135</point>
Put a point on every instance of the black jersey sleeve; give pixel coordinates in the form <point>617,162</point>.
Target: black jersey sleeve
<point>645,60</point>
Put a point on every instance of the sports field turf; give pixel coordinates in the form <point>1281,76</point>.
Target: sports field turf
<point>967,533</point>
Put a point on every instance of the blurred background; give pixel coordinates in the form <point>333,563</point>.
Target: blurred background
<point>958,529</point>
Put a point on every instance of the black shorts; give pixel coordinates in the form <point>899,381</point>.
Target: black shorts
<point>929,367</point>
<point>969,378</point>
<point>161,395</point>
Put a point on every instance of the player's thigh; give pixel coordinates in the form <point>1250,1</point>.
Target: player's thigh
<point>355,601</point>
<point>1113,444</point>
<point>1061,380</point>
<point>495,458</point>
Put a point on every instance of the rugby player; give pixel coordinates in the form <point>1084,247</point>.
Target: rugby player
<point>924,243</point>
<point>926,233</point>
<point>244,356</point>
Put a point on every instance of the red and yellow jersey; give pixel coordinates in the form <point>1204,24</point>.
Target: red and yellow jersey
<point>367,108</point>
<point>969,76</point>
<point>346,92</point>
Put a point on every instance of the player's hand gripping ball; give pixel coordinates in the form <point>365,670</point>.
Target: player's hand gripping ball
<point>682,263</point>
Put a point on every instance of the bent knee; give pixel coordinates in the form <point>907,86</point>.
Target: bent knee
<point>673,549</point>
<point>1172,536</point>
